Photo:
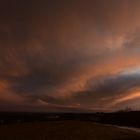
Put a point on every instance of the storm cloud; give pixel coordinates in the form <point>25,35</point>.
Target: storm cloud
<point>69,55</point>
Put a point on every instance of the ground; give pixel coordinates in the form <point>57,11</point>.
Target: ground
<point>64,130</point>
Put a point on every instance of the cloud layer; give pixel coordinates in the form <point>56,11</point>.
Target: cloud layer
<point>74,55</point>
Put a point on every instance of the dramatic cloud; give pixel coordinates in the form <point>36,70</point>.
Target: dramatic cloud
<point>69,55</point>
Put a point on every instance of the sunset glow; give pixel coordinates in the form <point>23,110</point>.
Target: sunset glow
<point>69,55</point>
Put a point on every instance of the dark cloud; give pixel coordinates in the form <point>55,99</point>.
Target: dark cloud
<point>102,92</point>
<point>68,54</point>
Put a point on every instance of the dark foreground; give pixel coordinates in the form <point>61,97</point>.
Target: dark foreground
<point>68,126</point>
<point>64,130</point>
<point>130,119</point>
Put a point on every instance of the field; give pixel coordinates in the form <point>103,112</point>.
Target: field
<point>64,130</point>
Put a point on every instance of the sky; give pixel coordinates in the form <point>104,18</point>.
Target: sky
<point>69,55</point>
